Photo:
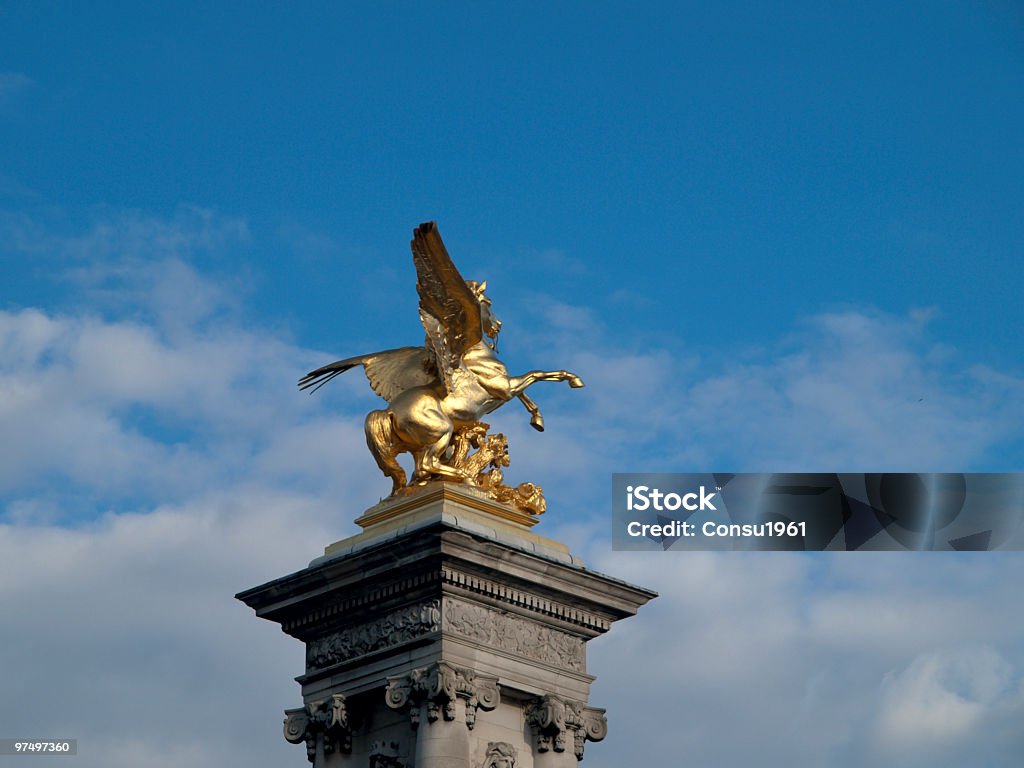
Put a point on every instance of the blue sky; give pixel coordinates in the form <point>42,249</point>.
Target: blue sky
<point>769,238</point>
<point>763,161</point>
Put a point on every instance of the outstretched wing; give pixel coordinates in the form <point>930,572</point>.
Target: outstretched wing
<point>449,310</point>
<point>390,373</point>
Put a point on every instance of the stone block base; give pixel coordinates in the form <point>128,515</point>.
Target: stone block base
<point>445,635</point>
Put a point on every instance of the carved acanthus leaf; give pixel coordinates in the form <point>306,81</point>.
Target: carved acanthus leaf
<point>323,723</point>
<point>439,686</point>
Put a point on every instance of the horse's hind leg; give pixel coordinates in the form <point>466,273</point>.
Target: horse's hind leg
<point>422,425</point>
<point>382,442</point>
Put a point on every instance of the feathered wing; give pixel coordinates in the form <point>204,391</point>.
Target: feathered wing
<point>390,373</point>
<point>448,309</point>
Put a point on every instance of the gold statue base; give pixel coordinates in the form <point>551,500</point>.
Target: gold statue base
<point>462,506</point>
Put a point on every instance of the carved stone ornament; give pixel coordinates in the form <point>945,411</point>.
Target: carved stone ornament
<point>485,468</point>
<point>439,686</point>
<point>324,721</point>
<point>500,754</point>
<point>392,629</point>
<point>385,754</point>
<point>514,635</point>
<point>554,720</point>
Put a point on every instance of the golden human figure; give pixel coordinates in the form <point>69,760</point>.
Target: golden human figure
<point>437,394</point>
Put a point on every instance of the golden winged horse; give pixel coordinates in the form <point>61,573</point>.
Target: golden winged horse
<point>439,391</point>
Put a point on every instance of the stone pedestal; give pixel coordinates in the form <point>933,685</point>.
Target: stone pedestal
<point>445,635</point>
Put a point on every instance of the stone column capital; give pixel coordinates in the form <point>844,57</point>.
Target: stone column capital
<point>439,686</point>
<point>321,724</point>
<point>554,720</point>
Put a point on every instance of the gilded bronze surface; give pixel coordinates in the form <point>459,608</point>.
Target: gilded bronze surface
<point>437,394</point>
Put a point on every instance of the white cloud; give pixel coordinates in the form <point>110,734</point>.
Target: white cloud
<point>116,407</point>
<point>124,634</point>
<point>737,662</point>
<point>160,403</point>
<point>121,630</point>
<point>942,698</point>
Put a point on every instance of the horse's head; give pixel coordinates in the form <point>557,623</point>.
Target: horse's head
<point>490,323</point>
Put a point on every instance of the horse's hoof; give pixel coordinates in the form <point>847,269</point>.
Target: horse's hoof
<point>537,422</point>
<point>576,382</point>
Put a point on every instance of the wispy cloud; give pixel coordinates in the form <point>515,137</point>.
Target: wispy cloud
<point>138,394</point>
<point>13,83</point>
<point>857,389</point>
<point>136,264</point>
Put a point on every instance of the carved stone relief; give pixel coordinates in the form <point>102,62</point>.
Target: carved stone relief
<point>396,627</point>
<point>439,686</point>
<point>500,754</point>
<point>385,754</point>
<point>514,634</point>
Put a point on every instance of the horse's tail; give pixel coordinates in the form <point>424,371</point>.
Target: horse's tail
<point>385,446</point>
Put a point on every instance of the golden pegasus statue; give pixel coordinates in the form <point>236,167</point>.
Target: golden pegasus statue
<point>437,394</point>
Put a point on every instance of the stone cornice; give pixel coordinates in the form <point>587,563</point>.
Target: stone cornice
<point>520,598</point>
<point>611,598</point>
<point>461,581</point>
<point>329,609</point>
<point>439,560</point>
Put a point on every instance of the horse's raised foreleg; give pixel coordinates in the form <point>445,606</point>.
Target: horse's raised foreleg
<point>517,384</point>
<point>517,388</point>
